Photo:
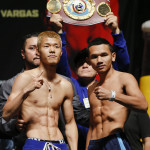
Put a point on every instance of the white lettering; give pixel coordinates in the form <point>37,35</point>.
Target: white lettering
<point>3,12</point>
<point>15,13</point>
<point>22,14</point>
<point>9,13</point>
<point>29,14</point>
<point>34,13</point>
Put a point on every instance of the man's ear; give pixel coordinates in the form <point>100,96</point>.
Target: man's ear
<point>22,53</point>
<point>61,53</point>
<point>113,56</point>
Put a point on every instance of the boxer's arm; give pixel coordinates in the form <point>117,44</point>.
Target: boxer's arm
<point>122,60</point>
<point>70,127</point>
<point>23,85</point>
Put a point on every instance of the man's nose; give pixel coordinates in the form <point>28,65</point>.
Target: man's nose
<point>51,49</point>
<point>37,52</point>
<point>85,64</point>
<point>99,59</point>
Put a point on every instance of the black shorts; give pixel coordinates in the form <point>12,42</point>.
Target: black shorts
<point>116,141</point>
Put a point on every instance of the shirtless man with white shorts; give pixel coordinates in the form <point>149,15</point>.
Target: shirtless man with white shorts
<point>38,94</point>
<point>111,98</point>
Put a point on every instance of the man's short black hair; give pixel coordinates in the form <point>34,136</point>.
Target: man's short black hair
<point>25,37</point>
<point>80,58</point>
<point>99,41</point>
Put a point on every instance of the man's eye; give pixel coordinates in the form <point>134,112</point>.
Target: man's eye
<point>56,46</point>
<point>105,54</point>
<point>31,48</point>
<point>46,46</point>
<point>93,56</point>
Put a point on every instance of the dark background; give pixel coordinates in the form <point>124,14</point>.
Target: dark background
<point>132,13</point>
<point>11,29</point>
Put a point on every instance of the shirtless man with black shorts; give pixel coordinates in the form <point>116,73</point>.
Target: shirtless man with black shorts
<point>111,98</point>
<point>38,94</point>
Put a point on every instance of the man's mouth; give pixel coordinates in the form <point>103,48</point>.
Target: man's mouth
<point>100,66</point>
<point>36,58</point>
<point>85,70</point>
<point>52,56</point>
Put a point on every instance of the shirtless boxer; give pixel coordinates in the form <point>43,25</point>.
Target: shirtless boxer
<point>38,95</point>
<point>110,99</point>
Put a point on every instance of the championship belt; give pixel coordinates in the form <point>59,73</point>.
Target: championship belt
<point>79,9</point>
<point>54,6</point>
<point>103,8</point>
<point>79,12</point>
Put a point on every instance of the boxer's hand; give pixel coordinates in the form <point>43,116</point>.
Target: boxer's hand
<point>102,93</point>
<point>21,125</point>
<point>37,82</point>
<point>112,22</point>
<point>56,22</point>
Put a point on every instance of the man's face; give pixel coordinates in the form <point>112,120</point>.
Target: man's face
<point>31,55</point>
<point>101,58</point>
<point>50,50</point>
<point>85,70</point>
